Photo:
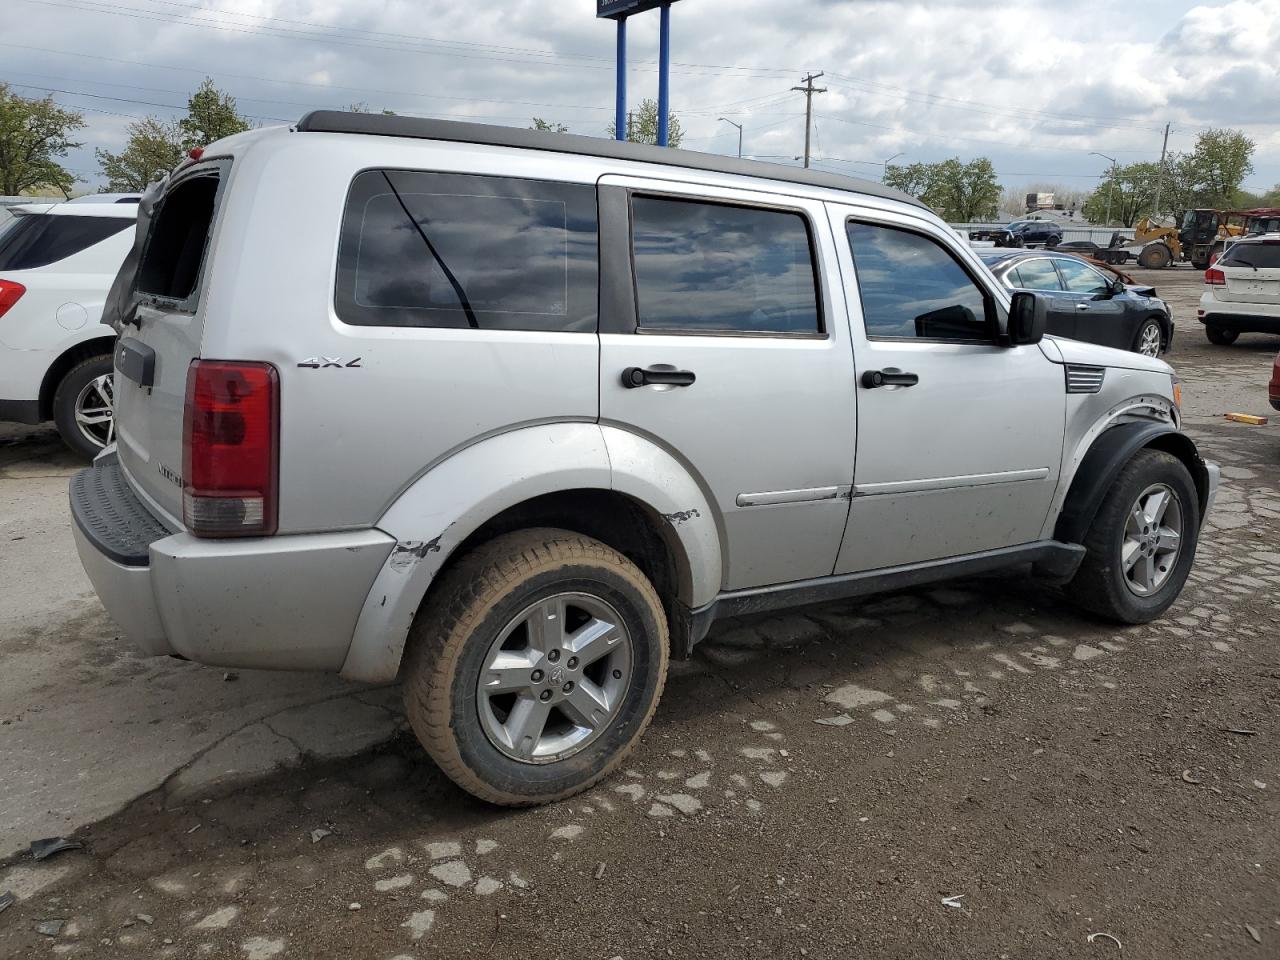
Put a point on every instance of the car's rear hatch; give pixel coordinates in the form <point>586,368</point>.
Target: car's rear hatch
<point>161,334</point>
<point>1251,272</point>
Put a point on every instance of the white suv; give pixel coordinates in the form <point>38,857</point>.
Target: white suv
<point>517,415</point>
<point>57,261</point>
<point>1242,290</point>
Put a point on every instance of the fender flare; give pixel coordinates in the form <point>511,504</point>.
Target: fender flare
<point>435,514</point>
<point>1107,456</point>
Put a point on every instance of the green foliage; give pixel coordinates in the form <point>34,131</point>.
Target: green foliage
<point>548,127</point>
<point>211,115</point>
<point>1211,174</point>
<point>1131,189</point>
<point>33,135</point>
<point>642,125</point>
<point>958,191</point>
<point>154,148</point>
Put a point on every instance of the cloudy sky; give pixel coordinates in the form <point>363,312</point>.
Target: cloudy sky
<point>1035,85</point>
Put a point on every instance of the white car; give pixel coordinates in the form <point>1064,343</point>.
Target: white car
<point>57,262</point>
<point>1242,290</point>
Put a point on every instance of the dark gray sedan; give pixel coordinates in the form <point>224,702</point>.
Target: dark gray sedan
<point>1086,303</point>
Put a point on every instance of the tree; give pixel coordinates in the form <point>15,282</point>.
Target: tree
<point>642,125</point>
<point>960,192</point>
<point>1214,170</point>
<point>1132,191</point>
<point>363,107</point>
<point>33,135</point>
<point>540,124</point>
<point>153,149</point>
<point>211,115</point>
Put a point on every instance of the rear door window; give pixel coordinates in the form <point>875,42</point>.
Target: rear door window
<point>37,240</point>
<point>458,250</point>
<point>704,267</point>
<point>1036,274</point>
<point>179,235</point>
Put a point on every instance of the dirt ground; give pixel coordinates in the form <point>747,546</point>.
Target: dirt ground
<point>972,770</point>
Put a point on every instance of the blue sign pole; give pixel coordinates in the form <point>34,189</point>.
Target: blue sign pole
<point>664,74</point>
<point>620,111</point>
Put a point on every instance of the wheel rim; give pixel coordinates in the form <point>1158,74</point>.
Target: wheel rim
<point>1152,539</point>
<point>554,679</point>
<point>95,411</point>
<point>1149,340</point>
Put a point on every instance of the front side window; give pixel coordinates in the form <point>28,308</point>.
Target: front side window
<point>718,268</point>
<point>913,288</point>
<point>1079,277</point>
<point>37,240</point>
<point>457,250</point>
<point>1035,274</point>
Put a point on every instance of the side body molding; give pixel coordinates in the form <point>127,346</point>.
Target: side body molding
<point>448,503</point>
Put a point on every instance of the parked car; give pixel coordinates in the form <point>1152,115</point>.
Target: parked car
<point>1022,233</point>
<point>1085,301</point>
<point>519,415</point>
<point>1242,290</point>
<point>57,261</point>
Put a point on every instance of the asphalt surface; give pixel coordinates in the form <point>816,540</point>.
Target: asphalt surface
<point>973,770</point>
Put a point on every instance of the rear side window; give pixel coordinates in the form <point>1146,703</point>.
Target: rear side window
<point>912,287</point>
<point>709,267</point>
<point>1037,274</point>
<point>1264,256</point>
<point>179,234</point>
<point>457,250</point>
<point>37,240</point>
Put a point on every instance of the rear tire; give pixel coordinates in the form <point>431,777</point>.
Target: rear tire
<point>1222,336</point>
<point>78,404</point>
<point>1155,256</point>
<point>485,623</point>
<point>1129,541</point>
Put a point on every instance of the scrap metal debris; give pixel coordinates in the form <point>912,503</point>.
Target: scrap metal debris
<point>839,720</point>
<point>319,833</point>
<point>1242,732</point>
<point>41,849</point>
<point>600,870</point>
<point>1188,778</point>
<point>1254,932</point>
<point>1115,940</point>
<point>7,900</point>
<point>954,901</point>
<point>50,928</point>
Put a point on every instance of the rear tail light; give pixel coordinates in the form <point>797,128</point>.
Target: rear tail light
<point>230,449</point>
<point>10,293</point>
<point>1215,277</point>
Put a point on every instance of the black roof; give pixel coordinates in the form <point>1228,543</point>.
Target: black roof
<point>382,125</point>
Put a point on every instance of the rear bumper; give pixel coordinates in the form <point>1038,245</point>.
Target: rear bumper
<point>1243,322</point>
<point>285,602</point>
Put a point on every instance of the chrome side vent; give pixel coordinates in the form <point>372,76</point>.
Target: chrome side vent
<point>1082,379</point>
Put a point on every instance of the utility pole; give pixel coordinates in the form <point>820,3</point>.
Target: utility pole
<point>739,126</point>
<point>809,90</point>
<point>1155,210</point>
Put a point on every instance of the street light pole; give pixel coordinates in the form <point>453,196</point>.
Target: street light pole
<point>1111,187</point>
<point>884,167</point>
<point>739,126</point>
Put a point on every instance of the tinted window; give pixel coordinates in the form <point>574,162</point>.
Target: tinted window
<point>1035,274</point>
<point>1079,277</point>
<point>1264,256</point>
<point>177,239</point>
<point>707,266</point>
<point>454,250</point>
<point>35,240</point>
<point>912,287</point>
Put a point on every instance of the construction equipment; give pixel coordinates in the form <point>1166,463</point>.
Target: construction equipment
<point>1200,240</point>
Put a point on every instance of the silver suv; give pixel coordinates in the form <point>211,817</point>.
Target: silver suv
<point>516,416</point>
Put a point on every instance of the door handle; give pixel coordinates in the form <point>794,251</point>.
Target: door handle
<point>889,377</point>
<point>659,374</point>
<point>1082,306</point>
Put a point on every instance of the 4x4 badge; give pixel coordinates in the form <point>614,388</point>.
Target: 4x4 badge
<point>319,363</point>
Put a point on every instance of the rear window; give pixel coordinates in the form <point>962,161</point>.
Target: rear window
<point>37,240</point>
<point>179,233</point>
<point>459,250</point>
<point>1264,256</point>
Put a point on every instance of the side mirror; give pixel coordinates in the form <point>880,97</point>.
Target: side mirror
<point>1028,318</point>
<point>1118,287</point>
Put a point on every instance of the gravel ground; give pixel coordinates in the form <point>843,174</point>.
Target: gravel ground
<point>973,770</point>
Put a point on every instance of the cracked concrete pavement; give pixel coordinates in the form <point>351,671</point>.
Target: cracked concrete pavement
<point>87,725</point>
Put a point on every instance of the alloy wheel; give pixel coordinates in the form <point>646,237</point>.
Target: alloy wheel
<point>1152,539</point>
<point>1149,340</point>
<point>555,677</point>
<point>95,411</point>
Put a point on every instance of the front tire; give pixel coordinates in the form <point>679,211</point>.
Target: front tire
<point>84,406</point>
<point>1155,256</point>
<point>1142,541</point>
<point>1222,336</point>
<point>536,666</point>
<point>1150,339</point>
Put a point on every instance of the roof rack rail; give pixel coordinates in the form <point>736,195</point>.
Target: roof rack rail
<point>421,128</point>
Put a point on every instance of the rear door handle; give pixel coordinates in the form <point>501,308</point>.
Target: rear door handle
<point>659,374</point>
<point>1082,306</point>
<point>889,377</point>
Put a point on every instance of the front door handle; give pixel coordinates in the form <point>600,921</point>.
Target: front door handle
<point>889,377</point>
<point>1082,306</point>
<point>660,374</point>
